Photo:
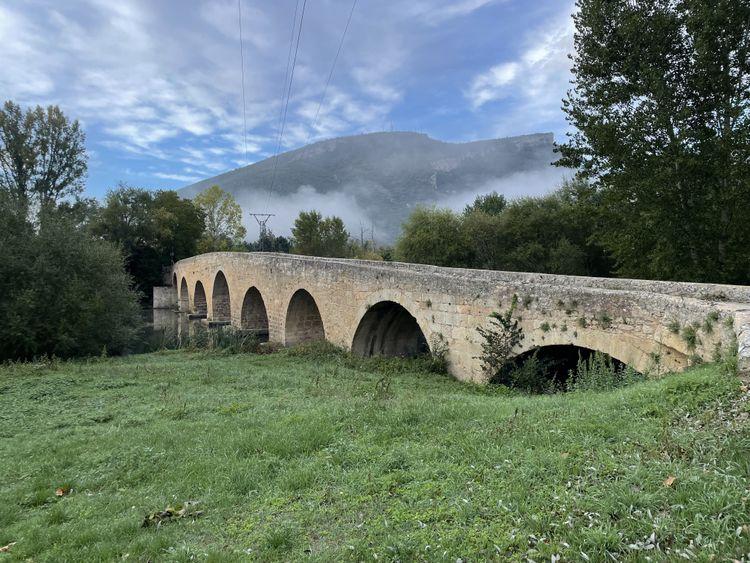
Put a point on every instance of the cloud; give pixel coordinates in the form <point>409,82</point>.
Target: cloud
<point>533,84</point>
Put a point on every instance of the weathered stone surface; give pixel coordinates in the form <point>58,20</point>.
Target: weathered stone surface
<point>641,323</point>
<point>165,297</point>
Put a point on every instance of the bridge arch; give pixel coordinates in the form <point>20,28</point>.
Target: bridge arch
<point>184,296</point>
<point>640,353</point>
<point>200,304</point>
<point>389,329</point>
<point>254,317</point>
<point>303,320</point>
<point>221,306</point>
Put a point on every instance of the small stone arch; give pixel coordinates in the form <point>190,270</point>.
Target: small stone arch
<point>199,299</point>
<point>254,317</point>
<point>303,320</point>
<point>221,306</point>
<point>184,296</point>
<point>389,329</point>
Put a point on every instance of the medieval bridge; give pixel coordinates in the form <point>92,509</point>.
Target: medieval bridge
<point>380,308</point>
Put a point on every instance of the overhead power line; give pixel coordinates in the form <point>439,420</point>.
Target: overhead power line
<point>242,73</point>
<point>286,103</point>
<point>330,74</point>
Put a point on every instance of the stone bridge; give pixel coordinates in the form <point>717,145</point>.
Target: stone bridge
<point>382,308</point>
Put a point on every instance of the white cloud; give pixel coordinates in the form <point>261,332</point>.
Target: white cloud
<point>534,83</point>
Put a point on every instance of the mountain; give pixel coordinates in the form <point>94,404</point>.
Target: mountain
<point>374,180</point>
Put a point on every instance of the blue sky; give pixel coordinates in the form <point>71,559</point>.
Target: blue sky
<point>156,83</point>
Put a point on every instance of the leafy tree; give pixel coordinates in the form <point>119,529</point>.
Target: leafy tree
<point>223,220</point>
<point>491,204</point>
<point>269,242</point>
<point>434,236</point>
<point>61,293</point>
<point>661,107</point>
<point>314,235</point>
<point>42,155</point>
<point>154,229</point>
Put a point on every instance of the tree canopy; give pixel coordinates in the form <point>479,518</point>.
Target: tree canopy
<point>42,155</point>
<point>661,109</point>
<point>314,235</point>
<point>223,220</point>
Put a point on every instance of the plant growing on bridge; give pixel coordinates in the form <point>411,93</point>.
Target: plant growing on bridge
<point>500,340</point>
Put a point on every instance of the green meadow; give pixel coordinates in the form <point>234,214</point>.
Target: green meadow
<point>317,456</point>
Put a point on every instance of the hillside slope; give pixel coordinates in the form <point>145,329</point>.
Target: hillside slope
<point>376,179</point>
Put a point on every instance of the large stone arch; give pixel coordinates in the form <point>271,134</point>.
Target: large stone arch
<point>389,329</point>
<point>254,316</point>
<point>641,353</point>
<point>184,296</point>
<point>200,304</point>
<point>303,320</point>
<point>221,304</point>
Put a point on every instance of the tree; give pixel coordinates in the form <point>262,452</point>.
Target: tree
<point>314,235</point>
<point>42,155</point>
<point>154,229</point>
<point>62,293</point>
<point>491,204</point>
<point>223,220</point>
<point>661,107</point>
<point>434,236</point>
<point>268,242</point>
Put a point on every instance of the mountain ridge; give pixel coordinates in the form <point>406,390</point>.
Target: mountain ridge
<point>378,178</point>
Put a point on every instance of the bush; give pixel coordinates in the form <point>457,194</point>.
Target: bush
<point>61,293</point>
<point>600,372</point>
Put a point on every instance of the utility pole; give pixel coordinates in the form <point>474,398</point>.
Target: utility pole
<point>262,219</point>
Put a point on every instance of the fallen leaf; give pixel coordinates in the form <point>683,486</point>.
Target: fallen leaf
<point>669,481</point>
<point>62,491</point>
<point>6,548</point>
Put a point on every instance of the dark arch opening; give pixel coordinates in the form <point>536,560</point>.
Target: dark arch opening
<point>199,299</point>
<point>303,321</point>
<point>175,295</point>
<point>549,368</point>
<point>220,305</point>
<point>388,329</point>
<point>254,317</point>
<point>184,297</point>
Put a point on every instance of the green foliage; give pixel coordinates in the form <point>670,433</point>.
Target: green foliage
<point>604,320</point>
<point>542,234</point>
<point>42,156</point>
<point>434,236</point>
<point>599,372</point>
<point>500,339</point>
<point>661,114</point>
<point>690,336</point>
<point>223,220</point>
<point>63,294</point>
<point>491,204</point>
<point>674,326</point>
<point>529,376</point>
<point>314,235</point>
<point>154,229</point>
<point>545,327</point>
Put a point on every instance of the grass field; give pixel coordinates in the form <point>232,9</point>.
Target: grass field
<point>324,458</point>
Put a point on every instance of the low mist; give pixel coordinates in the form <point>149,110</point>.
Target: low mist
<point>354,203</point>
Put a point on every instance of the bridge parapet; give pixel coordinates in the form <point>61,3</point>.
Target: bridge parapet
<point>380,307</point>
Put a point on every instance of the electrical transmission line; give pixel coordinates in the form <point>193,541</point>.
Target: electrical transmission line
<point>242,73</point>
<point>330,74</point>
<point>286,104</point>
